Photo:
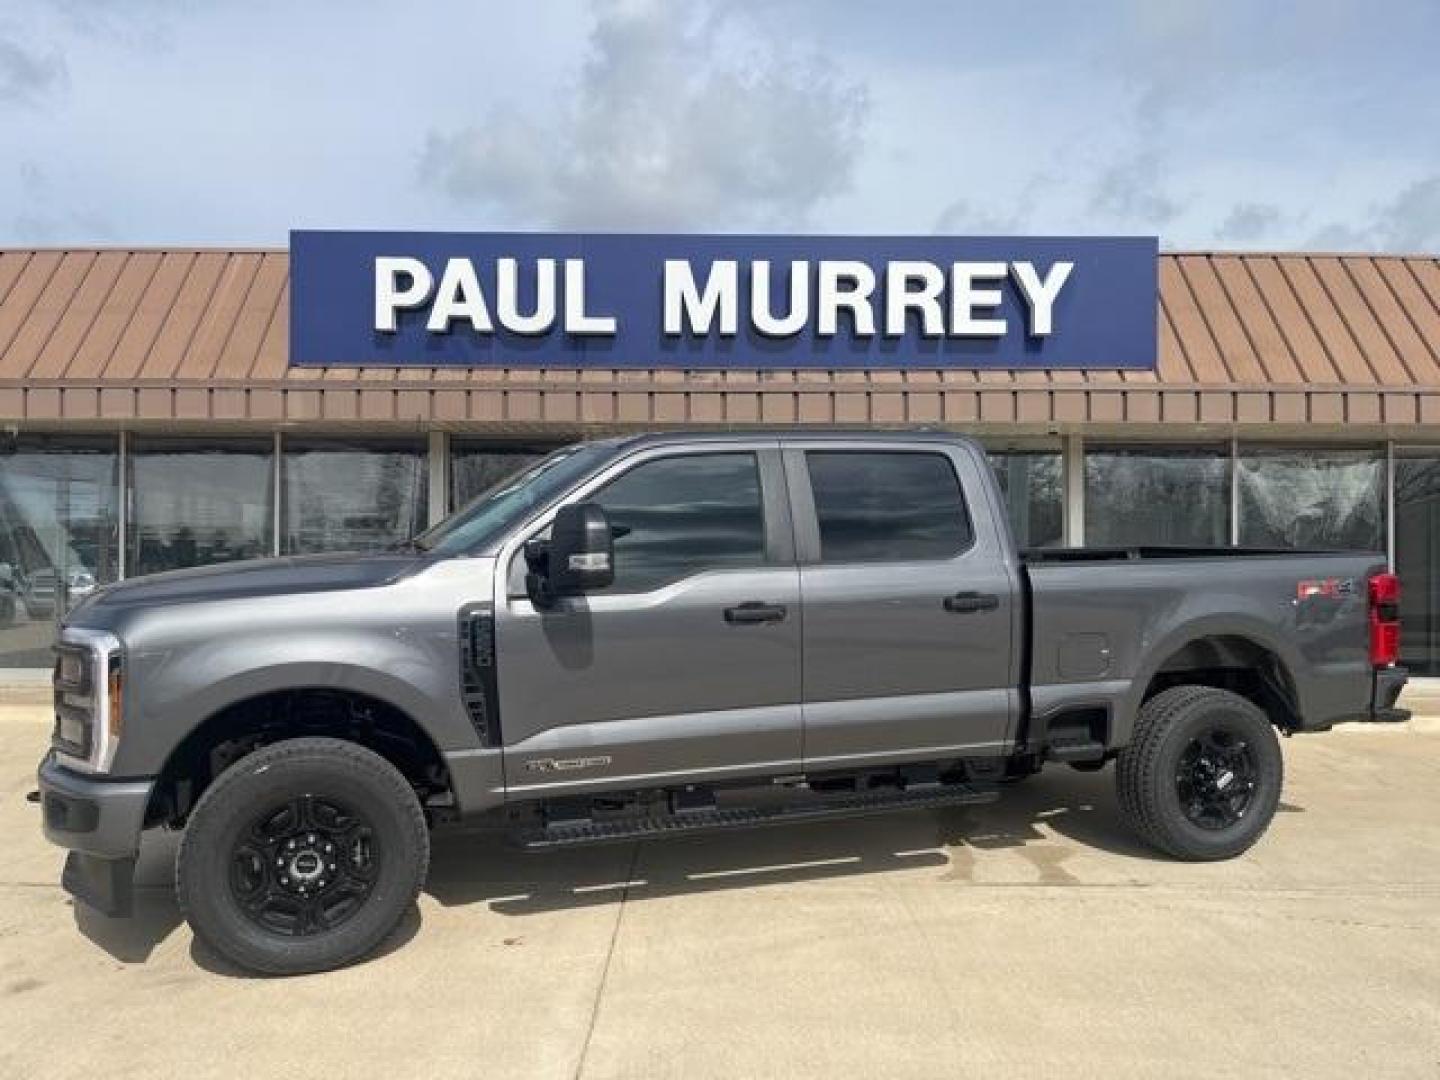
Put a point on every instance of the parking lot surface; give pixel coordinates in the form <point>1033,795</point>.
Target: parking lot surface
<point>1031,937</point>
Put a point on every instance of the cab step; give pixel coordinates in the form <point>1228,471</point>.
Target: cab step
<point>1074,750</point>
<point>574,833</point>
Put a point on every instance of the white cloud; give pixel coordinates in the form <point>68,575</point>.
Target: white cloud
<point>682,118</point>
<point>1250,221</point>
<point>231,122</point>
<point>40,217</point>
<point>1132,190</point>
<point>27,74</point>
<point>1407,222</point>
<point>1411,221</point>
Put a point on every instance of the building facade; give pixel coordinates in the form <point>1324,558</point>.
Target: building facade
<point>150,420</point>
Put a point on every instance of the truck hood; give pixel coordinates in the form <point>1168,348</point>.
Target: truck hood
<point>251,578</point>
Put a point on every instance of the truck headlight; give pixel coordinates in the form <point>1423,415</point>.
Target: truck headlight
<point>89,683</point>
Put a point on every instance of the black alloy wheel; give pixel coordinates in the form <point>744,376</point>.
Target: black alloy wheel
<point>304,866</point>
<point>1216,778</point>
<point>1201,776</point>
<point>302,856</point>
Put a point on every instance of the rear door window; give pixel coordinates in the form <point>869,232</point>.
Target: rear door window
<point>887,506</point>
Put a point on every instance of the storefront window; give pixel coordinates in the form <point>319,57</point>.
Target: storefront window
<point>195,502</point>
<point>352,496</point>
<point>58,537</point>
<point>1157,495</point>
<point>1417,557</point>
<point>1310,498</point>
<point>1032,484</point>
<point>477,466</point>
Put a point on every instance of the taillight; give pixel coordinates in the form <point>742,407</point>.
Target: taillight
<point>1384,620</point>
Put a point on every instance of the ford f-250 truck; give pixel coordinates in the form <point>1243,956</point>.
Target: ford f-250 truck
<point>652,635</point>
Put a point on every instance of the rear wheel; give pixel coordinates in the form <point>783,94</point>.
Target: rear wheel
<point>1201,777</point>
<point>303,856</point>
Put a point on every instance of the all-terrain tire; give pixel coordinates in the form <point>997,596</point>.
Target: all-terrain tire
<point>1147,773</point>
<point>309,771</point>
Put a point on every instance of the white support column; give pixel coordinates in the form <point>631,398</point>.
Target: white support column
<point>1074,472</point>
<point>277,498</point>
<point>1234,491</point>
<point>439,476</point>
<point>1390,502</point>
<point>122,509</point>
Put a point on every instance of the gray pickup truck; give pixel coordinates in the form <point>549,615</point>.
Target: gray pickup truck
<point>652,635</point>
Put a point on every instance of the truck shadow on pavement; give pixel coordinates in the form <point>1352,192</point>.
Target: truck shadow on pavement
<point>1043,820</point>
<point>157,915</point>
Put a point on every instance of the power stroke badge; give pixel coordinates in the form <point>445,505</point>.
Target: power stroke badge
<point>546,765</point>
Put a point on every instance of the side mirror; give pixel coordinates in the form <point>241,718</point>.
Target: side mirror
<point>579,556</point>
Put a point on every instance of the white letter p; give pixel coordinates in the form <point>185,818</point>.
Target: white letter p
<point>390,298</point>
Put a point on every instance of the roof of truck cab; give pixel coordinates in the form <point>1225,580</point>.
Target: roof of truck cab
<point>808,434</point>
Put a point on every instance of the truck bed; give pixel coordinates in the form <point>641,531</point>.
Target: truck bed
<point>1105,621</point>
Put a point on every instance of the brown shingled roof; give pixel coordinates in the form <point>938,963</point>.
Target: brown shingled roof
<point>184,334</point>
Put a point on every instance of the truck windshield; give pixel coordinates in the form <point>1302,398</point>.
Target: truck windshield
<point>487,517</point>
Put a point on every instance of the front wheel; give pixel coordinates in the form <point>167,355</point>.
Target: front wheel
<point>302,857</point>
<point>1201,777</point>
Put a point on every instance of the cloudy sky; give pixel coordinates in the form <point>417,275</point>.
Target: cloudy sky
<point>1212,123</point>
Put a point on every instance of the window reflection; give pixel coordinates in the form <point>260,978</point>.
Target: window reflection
<point>1032,485</point>
<point>1157,495</point>
<point>352,496</point>
<point>1304,497</point>
<point>677,516</point>
<point>894,507</point>
<point>199,502</point>
<point>58,537</point>
<point>477,466</point>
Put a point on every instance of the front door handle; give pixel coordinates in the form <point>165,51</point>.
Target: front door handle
<point>963,602</point>
<point>755,611</point>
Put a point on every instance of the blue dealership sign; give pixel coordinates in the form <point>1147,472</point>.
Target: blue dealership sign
<point>673,301</point>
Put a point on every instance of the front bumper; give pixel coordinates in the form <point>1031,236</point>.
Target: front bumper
<point>100,822</point>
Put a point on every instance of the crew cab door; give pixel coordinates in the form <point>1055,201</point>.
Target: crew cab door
<point>909,648</point>
<point>688,665</point>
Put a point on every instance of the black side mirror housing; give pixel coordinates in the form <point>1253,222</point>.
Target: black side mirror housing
<point>578,558</point>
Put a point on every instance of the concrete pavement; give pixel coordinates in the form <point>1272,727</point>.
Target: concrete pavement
<point>1028,937</point>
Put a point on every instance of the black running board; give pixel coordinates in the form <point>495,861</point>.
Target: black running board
<point>577,833</point>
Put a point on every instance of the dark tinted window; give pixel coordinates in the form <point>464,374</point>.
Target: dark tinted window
<point>677,516</point>
<point>894,507</point>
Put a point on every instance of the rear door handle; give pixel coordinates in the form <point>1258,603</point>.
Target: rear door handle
<point>755,611</point>
<point>963,602</point>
